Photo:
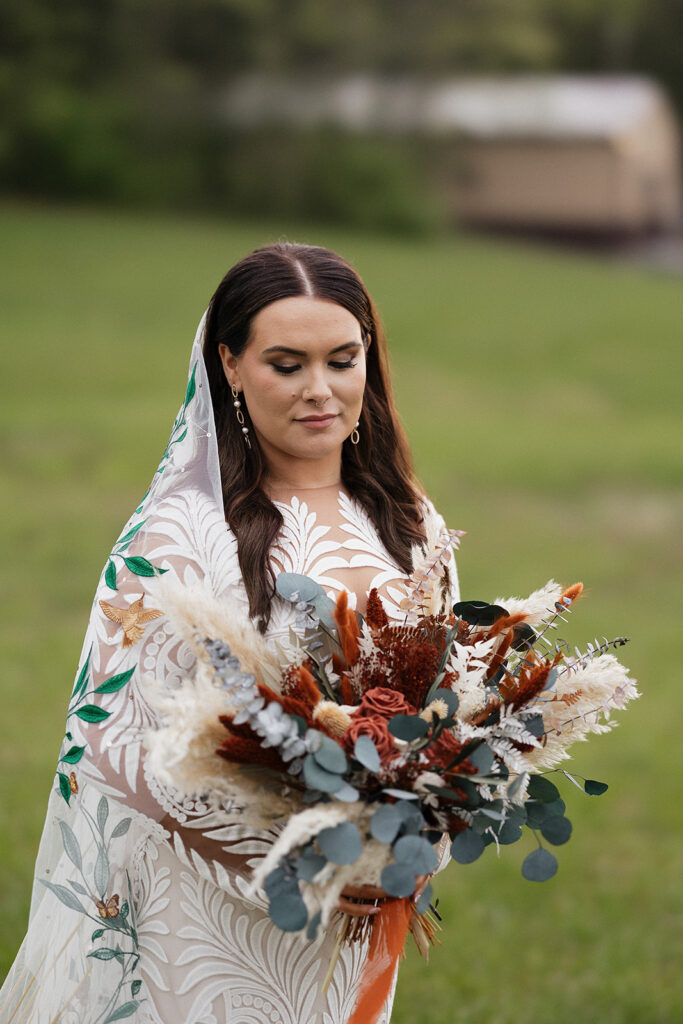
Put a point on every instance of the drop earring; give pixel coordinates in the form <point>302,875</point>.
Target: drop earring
<point>355,436</point>
<point>239,414</point>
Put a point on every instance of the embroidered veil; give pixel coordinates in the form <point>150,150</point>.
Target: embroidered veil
<point>137,893</point>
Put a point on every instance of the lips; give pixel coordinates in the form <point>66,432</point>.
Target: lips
<point>317,421</point>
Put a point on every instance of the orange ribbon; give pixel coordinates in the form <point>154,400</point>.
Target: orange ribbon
<point>389,933</point>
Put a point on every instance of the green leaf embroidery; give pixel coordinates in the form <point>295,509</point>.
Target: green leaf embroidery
<point>73,755</point>
<point>191,387</point>
<point>77,887</point>
<point>127,1010</point>
<point>65,896</point>
<point>135,987</point>
<point>182,436</point>
<point>127,538</point>
<point>121,828</point>
<point>81,681</point>
<point>97,934</point>
<point>64,787</point>
<point>115,683</point>
<point>91,713</point>
<point>102,813</point>
<point>102,872</point>
<point>110,575</point>
<point>103,954</point>
<point>71,846</point>
<point>142,567</point>
<point>123,913</point>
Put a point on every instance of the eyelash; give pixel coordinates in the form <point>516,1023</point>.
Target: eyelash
<point>291,369</point>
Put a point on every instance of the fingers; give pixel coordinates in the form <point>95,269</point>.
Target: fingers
<point>357,909</point>
<point>365,892</point>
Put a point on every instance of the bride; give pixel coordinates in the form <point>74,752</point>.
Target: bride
<point>286,455</point>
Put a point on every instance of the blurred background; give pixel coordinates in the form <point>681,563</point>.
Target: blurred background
<point>506,178</point>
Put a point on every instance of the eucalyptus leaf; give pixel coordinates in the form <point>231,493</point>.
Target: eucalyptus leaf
<point>539,866</point>
<point>413,821</point>
<point>401,794</point>
<point>330,756</point>
<point>280,882</point>
<point>509,832</point>
<point>386,823</point>
<point>308,864</point>
<point>482,758</point>
<point>467,847</point>
<point>294,586</point>
<point>516,785</point>
<point>541,788</point>
<point>288,912</point>
<point>313,925</point>
<point>398,880</point>
<point>319,779</point>
<point>341,844</point>
<point>346,793</point>
<point>535,725</point>
<point>408,727</point>
<point>324,608</point>
<point>556,830</point>
<point>450,698</point>
<point>365,751</point>
<point>425,898</point>
<point>417,852</point>
<point>594,788</point>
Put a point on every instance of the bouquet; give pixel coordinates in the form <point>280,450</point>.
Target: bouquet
<point>380,748</point>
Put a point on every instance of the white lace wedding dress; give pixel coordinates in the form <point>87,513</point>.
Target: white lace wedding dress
<point>139,909</point>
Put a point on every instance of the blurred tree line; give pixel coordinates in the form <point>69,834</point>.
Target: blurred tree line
<point>118,99</point>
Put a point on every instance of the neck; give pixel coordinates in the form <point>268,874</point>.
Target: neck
<point>295,474</point>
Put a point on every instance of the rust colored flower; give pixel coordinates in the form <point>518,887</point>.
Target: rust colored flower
<point>375,615</point>
<point>384,703</point>
<point>376,729</point>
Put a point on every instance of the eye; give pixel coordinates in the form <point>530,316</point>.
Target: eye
<point>348,365</point>
<point>285,369</point>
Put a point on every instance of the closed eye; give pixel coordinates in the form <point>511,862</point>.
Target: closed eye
<point>348,365</point>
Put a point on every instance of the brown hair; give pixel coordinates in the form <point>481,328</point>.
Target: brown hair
<point>377,472</point>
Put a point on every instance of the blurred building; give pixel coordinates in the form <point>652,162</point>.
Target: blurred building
<point>578,154</point>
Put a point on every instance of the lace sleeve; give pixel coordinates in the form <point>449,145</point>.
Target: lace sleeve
<point>129,638</point>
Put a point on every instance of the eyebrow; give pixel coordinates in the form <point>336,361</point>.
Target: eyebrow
<point>298,352</point>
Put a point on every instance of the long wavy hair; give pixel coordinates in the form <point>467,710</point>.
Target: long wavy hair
<point>377,471</point>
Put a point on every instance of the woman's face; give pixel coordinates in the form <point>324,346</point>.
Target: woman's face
<point>302,375</point>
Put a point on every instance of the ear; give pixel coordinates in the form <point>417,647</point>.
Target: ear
<point>230,369</point>
<point>367,340</point>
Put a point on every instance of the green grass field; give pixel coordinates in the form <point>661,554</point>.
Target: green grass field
<point>539,391</point>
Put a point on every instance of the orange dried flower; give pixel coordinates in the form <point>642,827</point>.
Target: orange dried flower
<point>347,626</point>
<point>375,615</point>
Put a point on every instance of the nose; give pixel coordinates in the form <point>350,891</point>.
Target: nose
<point>318,387</point>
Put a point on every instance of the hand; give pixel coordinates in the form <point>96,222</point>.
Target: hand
<point>368,893</point>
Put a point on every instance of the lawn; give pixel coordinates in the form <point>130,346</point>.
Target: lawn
<point>541,393</point>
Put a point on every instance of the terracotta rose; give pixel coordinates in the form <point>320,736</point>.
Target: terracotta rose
<point>376,729</point>
<point>385,703</point>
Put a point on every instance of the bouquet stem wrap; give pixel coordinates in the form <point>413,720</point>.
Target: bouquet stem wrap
<point>389,933</point>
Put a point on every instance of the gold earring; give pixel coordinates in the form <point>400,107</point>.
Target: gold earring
<point>239,414</point>
<point>355,436</point>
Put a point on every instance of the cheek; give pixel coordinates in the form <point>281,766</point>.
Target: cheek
<point>267,396</point>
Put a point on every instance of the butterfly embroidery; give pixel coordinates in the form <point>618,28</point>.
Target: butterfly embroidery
<point>131,619</point>
<point>110,908</point>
